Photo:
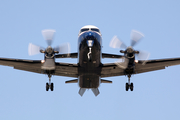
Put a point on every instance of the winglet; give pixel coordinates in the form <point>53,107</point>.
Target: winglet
<point>81,91</point>
<point>95,91</point>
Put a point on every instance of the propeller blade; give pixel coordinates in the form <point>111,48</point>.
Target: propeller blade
<point>136,36</point>
<point>48,35</point>
<point>122,63</point>
<point>64,48</point>
<point>143,56</point>
<point>34,49</point>
<point>116,43</point>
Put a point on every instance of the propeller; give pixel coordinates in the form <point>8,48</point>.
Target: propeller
<point>64,48</point>
<point>117,43</point>
<point>143,55</point>
<point>48,35</point>
<point>136,36</point>
<point>129,52</point>
<point>34,49</point>
<point>122,63</point>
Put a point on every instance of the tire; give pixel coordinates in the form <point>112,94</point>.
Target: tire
<point>47,86</point>
<point>90,58</point>
<point>52,87</point>
<point>131,87</point>
<point>127,86</point>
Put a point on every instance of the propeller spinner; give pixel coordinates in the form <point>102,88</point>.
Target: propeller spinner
<point>48,35</point>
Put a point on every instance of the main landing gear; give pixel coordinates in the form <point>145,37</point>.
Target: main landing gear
<point>129,85</point>
<point>49,85</point>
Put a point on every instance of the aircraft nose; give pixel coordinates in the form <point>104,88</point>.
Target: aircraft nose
<point>89,34</point>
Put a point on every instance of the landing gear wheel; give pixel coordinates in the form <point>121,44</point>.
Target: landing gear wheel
<point>131,86</point>
<point>90,58</point>
<point>47,86</point>
<point>127,86</point>
<point>52,87</point>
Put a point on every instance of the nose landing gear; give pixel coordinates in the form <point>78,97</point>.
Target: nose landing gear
<point>49,85</point>
<point>89,55</point>
<point>129,85</point>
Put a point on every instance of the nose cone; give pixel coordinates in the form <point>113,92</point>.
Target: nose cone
<point>89,34</point>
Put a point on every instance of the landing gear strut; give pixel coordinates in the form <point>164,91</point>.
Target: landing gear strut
<point>49,85</point>
<point>89,55</point>
<point>129,85</point>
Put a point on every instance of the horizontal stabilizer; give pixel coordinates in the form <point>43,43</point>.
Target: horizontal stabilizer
<point>72,81</point>
<point>95,91</point>
<point>81,91</point>
<point>105,81</point>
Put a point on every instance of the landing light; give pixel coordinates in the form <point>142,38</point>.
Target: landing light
<point>42,61</point>
<point>136,61</point>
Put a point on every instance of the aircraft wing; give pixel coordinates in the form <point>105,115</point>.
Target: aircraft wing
<point>75,55</point>
<point>106,55</point>
<point>71,55</point>
<point>62,69</point>
<point>111,69</point>
<point>158,64</point>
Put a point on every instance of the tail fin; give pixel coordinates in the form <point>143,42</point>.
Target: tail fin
<point>81,91</point>
<point>95,91</point>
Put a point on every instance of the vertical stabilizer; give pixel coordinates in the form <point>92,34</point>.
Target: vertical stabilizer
<point>81,91</point>
<point>95,91</point>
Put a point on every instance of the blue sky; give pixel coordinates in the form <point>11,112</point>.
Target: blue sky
<point>156,94</point>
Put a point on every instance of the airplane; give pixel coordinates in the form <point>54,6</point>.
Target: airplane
<point>89,71</point>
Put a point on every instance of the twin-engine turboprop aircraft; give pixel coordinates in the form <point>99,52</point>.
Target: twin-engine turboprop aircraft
<point>89,70</point>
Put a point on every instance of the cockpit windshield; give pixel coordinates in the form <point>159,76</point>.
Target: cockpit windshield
<point>95,29</point>
<point>84,29</point>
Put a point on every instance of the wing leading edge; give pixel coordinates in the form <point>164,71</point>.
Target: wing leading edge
<point>62,69</point>
<point>75,55</point>
<point>71,70</point>
<point>111,69</point>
